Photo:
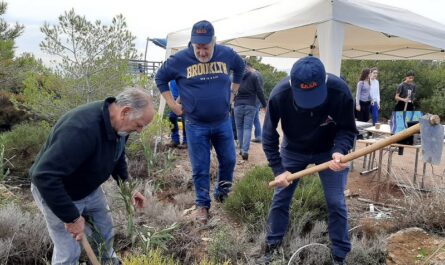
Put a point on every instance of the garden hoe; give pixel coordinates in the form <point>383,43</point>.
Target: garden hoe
<point>432,135</point>
<point>90,253</point>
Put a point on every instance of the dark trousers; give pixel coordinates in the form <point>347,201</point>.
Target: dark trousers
<point>363,114</point>
<point>400,106</point>
<point>334,184</point>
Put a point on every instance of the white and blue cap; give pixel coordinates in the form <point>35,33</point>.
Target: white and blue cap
<point>308,82</point>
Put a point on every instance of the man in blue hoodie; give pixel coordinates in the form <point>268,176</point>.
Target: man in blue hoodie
<point>317,120</point>
<point>202,72</point>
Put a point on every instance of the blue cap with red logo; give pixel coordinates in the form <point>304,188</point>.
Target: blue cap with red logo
<point>202,32</point>
<point>308,82</point>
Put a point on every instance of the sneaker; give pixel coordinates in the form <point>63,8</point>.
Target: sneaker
<point>245,156</point>
<point>202,215</point>
<point>256,140</point>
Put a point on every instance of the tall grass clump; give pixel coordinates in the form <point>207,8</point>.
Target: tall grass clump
<point>423,210</point>
<point>23,237</point>
<point>158,158</point>
<point>251,199</point>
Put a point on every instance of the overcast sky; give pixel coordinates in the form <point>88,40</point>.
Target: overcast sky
<point>155,19</point>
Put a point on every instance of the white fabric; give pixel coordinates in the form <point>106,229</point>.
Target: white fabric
<point>289,28</point>
<point>375,91</point>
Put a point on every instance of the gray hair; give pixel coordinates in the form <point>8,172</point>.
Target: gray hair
<point>136,98</point>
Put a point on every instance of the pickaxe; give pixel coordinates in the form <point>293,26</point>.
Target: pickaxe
<point>432,143</point>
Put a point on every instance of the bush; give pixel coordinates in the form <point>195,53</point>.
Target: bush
<point>426,211</point>
<point>22,144</point>
<point>225,245</point>
<point>23,237</point>
<point>251,198</point>
<point>367,251</point>
<point>154,257</point>
<point>9,114</point>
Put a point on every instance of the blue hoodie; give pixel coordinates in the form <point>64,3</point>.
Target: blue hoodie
<point>204,88</point>
<point>329,127</point>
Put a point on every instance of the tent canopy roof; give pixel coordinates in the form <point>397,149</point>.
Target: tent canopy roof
<point>288,28</point>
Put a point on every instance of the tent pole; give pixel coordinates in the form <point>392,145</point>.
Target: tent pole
<point>168,52</point>
<point>330,36</point>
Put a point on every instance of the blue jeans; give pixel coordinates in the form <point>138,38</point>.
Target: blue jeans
<point>66,249</point>
<point>175,129</point>
<point>257,124</point>
<point>200,139</point>
<point>244,115</point>
<point>333,183</point>
<point>375,113</point>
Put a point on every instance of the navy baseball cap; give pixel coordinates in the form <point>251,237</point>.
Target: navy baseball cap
<point>202,32</point>
<point>308,82</point>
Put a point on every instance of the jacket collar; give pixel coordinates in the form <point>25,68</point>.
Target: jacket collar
<point>111,133</point>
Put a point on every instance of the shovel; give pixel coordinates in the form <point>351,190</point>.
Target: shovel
<point>431,137</point>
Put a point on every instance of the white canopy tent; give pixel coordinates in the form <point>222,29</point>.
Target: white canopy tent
<point>329,29</point>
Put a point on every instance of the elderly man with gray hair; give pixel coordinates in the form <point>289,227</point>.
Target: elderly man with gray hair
<point>85,147</point>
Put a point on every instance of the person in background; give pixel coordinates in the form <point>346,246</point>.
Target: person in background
<point>251,88</point>
<point>173,118</point>
<point>257,123</point>
<point>202,72</point>
<point>315,110</point>
<point>363,96</point>
<point>85,147</point>
<point>406,92</point>
<point>375,95</point>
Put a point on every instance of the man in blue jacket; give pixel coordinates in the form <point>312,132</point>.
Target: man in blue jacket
<point>317,120</point>
<point>202,72</point>
<point>85,147</point>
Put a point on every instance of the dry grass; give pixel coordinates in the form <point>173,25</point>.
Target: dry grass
<point>23,237</point>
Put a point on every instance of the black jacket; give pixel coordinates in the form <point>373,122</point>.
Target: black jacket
<point>250,88</point>
<point>80,154</point>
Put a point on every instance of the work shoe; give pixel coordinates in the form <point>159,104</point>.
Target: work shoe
<point>221,198</point>
<point>172,144</point>
<point>245,156</point>
<point>202,215</point>
<point>270,252</point>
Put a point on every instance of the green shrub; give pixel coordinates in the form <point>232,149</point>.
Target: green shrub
<point>251,198</point>
<point>225,245</point>
<point>9,114</point>
<point>154,257</point>
<point>22,144</point>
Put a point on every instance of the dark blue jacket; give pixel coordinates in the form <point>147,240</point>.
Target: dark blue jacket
<point>250,89</point>
<point>204,87</point>
<point>81,153</point>
<point>329,127</point>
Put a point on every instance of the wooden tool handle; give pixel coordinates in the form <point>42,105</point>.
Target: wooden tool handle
<point>90,253</point>
<point>434,120</point>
